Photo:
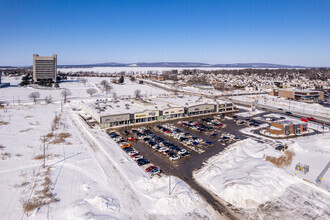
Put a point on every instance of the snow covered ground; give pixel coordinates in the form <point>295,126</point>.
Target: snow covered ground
<point>16,94</point>
<point>87,176</point>
<point>241,176</point>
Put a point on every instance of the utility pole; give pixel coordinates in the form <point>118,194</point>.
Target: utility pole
<point>169,186</point>
<point>44,151</point>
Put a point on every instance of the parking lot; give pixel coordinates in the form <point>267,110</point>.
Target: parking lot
<point>179,147</point>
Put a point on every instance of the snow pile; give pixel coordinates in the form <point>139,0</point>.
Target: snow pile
<point>183,200</point>
<point>241,177</point>
<point>313,151</point>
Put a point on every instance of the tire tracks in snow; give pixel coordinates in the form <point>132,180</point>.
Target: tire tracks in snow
<point>109,166</point>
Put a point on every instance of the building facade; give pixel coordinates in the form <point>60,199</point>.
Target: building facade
<point>287,127</point>
<point>299,95</point>
<point>44,68</point>
<point>114,120</point>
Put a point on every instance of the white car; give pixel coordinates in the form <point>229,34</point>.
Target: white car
<point>155,146</point>
<point>118,138</point>
<point>163,149</point>
<point>137,158</point>
<point>174,157</point>
<point>133,152</point>
<point>182,151</point>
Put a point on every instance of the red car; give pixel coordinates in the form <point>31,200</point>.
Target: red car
<point>131,139</point>
<point>135,155</point>
<point>311,119</point>
<point>150,168</point>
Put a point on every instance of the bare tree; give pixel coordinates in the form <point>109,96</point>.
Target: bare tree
<point>137,93</point>
<point>84,81</point>
<point>48,99</point>
<point>91,91</point>
<point>34,96</point>
<point>107,88</point>
<point>65,93</point>
<point>114,96</point>
<point>104,83</point>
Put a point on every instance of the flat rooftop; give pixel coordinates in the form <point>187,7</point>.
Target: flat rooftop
<point>127,105</point>
<point>291,121</point>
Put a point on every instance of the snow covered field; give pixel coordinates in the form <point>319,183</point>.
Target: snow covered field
<point>16,94</point>
<point>85,187</point>
<point>241,176</point>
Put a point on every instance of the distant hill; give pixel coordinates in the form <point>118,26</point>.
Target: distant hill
<point>183,64</point>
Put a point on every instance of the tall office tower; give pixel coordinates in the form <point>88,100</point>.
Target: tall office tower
<point>44,68</point>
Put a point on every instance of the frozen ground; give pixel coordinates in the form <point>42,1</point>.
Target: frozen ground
<point>17,94</point>
<point>87,176</point>
<point>241,176</point>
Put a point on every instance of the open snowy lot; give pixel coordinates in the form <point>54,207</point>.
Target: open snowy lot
<point>17,94</point>
<point>242,176</point>
<point>87,175</point>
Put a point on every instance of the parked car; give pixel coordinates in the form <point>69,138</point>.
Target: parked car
<point>135,155</point>
<point>311,119</point>
<point>186,154</point>
<point>125,145</point>
<point>174,157</point>
<point>131,139</point>
<point>289,113</point>
<point>155,171</point>
<point>182,151</point>
<point>132,152</point>
<point>142,162</point>
<point>280,109</point>
<point>138,158</point>
<point>128,149</point>
<point>126,132</point>
<point>148,169</point>
<point>121,141</point>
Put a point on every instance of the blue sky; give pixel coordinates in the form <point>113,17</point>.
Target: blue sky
<point>295,32</point>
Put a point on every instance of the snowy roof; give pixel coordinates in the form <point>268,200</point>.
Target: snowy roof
<point>124,106</point>
<point>291,121</point>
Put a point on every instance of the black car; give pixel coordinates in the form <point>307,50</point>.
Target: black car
<point>126,132</point>
<point>142,162</point>
<point>280,109</point>
<point>128,149</point>
<point>186,154</point>
<point>288,113</point>
<point>214,135</point>
<point>114,135</point>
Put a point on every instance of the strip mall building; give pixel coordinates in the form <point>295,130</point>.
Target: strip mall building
<point>299,95</point>
<point>103,112</point>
